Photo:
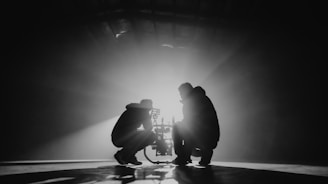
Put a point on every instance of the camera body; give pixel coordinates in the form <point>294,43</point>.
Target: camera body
<point>163,131</point>
<point>163,145</point>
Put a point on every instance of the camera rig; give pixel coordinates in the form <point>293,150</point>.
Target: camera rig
<point>163,144</point>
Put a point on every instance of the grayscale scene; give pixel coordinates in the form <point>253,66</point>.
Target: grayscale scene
<point>163,91</point>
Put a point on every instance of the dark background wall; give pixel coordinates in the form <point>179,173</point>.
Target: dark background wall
<point>65,81</point>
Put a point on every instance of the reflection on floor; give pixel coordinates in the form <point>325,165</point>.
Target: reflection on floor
<point>111,172</point>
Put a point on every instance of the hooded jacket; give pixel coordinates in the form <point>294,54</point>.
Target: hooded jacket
<point>201,118</point>
<point>132,118</point>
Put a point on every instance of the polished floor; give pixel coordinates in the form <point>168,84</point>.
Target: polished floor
<point>89,172</point>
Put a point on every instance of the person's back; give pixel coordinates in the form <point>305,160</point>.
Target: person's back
<point>131,119</point>
<point>204,121</point>
<point>126,135</point>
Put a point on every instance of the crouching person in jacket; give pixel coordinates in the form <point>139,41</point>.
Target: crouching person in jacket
<point>128,137</point>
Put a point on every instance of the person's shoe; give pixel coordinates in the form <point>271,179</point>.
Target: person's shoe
<point>179,161</point>
<point>133,160</point>
<point>206,157</point>
<point>119,158</point>
<point>203,163</point>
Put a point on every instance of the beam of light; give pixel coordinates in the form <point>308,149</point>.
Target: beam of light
<point>89,143</point>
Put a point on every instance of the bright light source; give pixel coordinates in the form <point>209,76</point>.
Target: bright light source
<point>120,34</point>
<point>168,101</point>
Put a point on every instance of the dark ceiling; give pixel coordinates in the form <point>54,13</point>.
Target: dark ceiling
<point>174,9</point>
<point>178,23</point>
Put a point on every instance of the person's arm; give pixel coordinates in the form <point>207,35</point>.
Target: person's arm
<point>147,124</point>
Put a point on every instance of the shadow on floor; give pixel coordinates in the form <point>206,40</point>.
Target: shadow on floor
<point>162,173</point>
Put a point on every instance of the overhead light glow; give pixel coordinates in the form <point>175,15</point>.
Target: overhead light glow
<point>167,45</point>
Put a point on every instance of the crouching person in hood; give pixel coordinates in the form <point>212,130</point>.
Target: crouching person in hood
<point>199,132</point>
<point>128,137</point>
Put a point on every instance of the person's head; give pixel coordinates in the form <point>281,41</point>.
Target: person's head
<point>146,104</point>
<point>185,90</point>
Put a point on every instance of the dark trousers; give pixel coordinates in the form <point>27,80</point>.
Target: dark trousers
<point>185,143</point>
<point>133,142</point>
<point>182,143</point>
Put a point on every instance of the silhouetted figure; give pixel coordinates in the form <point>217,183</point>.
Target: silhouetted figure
<point>127,135</point>
<point>199,131</point>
